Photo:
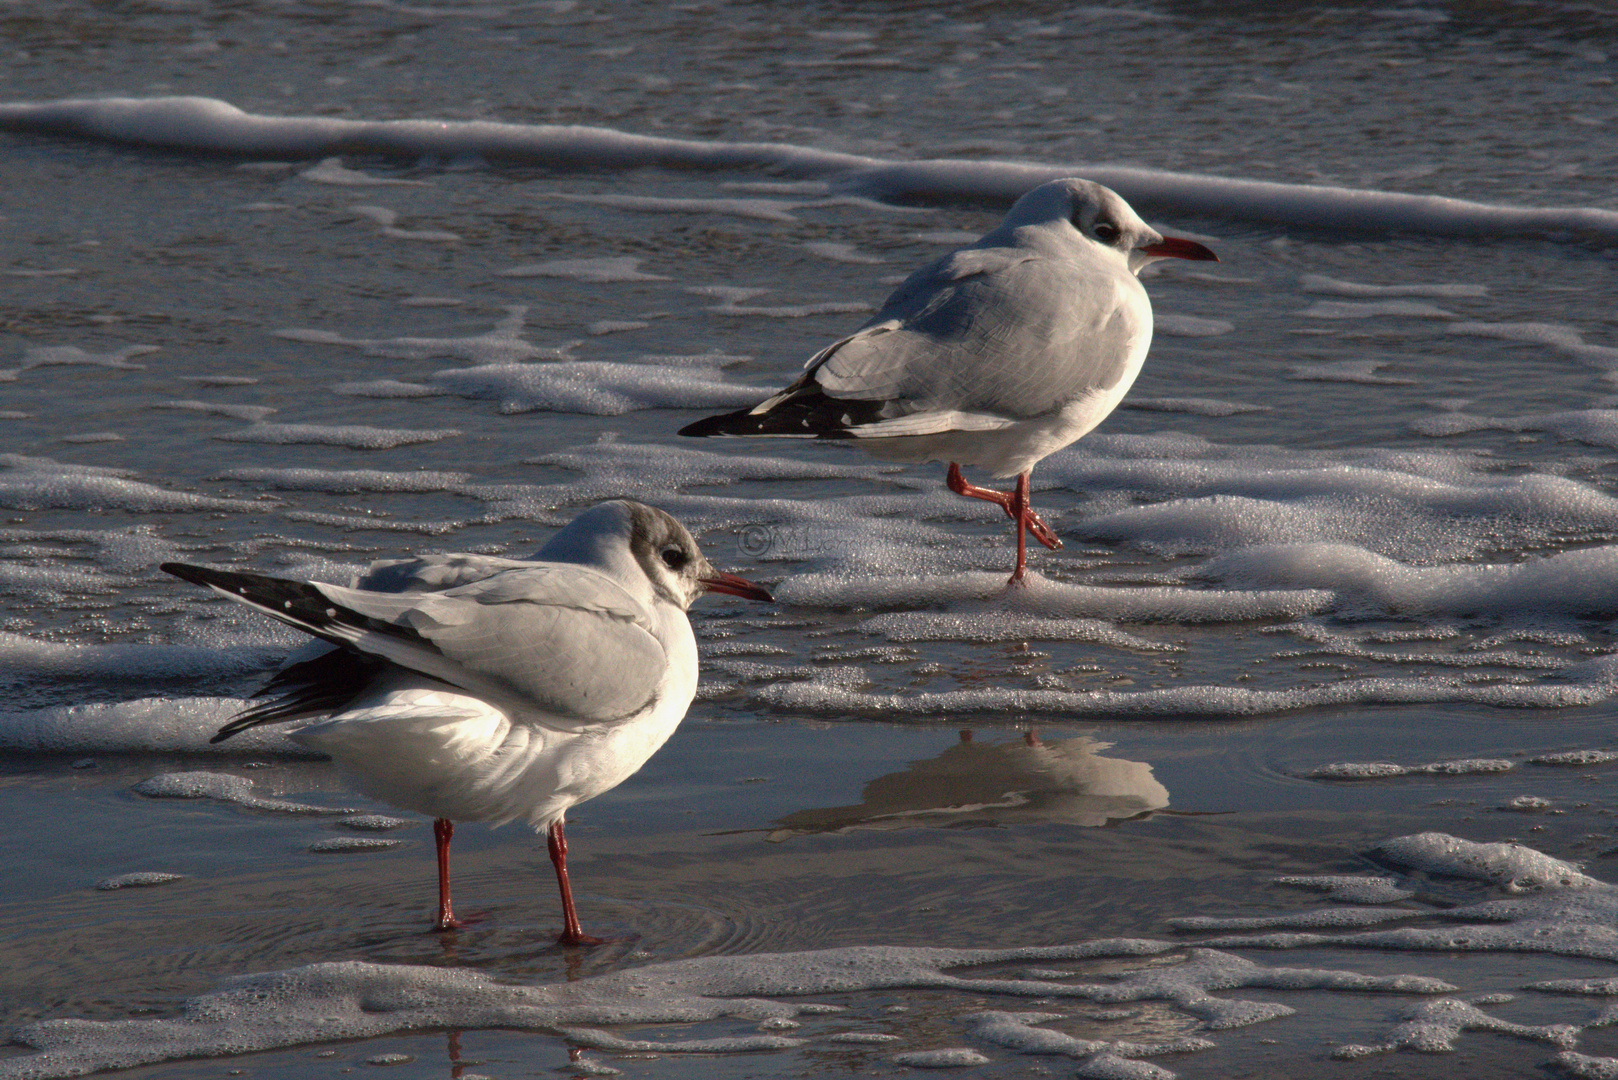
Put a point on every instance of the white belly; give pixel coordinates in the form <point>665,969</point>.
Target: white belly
<point>417,745</point>
<point>1010,450</point>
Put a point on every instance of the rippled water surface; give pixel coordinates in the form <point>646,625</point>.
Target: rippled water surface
<point>1339,571</point>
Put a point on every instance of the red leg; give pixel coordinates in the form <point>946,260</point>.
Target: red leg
<point>957,483</point>
<point>572,933</point>
<point>1017,508</point>
<point>1019,512</point>
<point>443,830</point>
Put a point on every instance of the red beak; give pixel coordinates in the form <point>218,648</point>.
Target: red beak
<point>1172,247</point>
<point>737,586</point>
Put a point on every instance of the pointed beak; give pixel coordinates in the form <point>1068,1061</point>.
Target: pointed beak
<point>732,585</point>
<point>1172,247</point>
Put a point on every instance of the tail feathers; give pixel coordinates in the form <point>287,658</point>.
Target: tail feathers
<point>320,686</point>
<point>804,413</point>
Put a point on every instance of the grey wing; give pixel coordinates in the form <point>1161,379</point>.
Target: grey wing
<point>432,573</point>
<point>562,641</point>
<point>998,333</point>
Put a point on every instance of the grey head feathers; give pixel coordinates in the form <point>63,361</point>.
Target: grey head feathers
<point>631,540</point>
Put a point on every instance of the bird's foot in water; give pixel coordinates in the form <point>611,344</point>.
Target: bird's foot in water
<point>448,921</point>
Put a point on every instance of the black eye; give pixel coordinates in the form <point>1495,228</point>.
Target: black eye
<point>1107,234</point>
<point>674,557</point>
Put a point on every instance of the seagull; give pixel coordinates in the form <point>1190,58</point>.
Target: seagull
<point>996,355</point>
<point>477,688</point>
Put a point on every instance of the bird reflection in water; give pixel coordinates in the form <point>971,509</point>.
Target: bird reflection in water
<point>975,783</point>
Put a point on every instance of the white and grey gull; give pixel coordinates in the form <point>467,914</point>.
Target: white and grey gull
<point>995,355</point>
<point>476,688</point>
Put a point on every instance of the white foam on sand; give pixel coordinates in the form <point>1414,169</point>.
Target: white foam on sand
<point>1581,582</point>
<point>1559,336</point>
<point>503,344</point>
<point>1514,868</point>
<point>841,692</point>
<point>843,253</point>
<point>388,220</point>
<point>352,1000</point>
<point>374,823</point>
<point>1575,758</point>
<point>1330,286</point>
<point>603,270</point>
<point>346,845</point>
<point>1433,1026</point>
<point>36,483</point>
<point>250,413</point>
<point>30,659</point>
<point>141,879</point>
<point>1532,903</point>
<point>954,1057</point>
<point>1319,541</point>
<point>1023,1033</point>
<point>777,210</point>
<point>238,790</point>
<point>1363,372</point>
<point>1318,919</point>
<point>353,436</point>
<point>42,356</point>
<point>347,481</point>
<point>1374,309</point>
<point>1180,494</point>
<point>1594,427</point>
<point>140,726</point>
<point>1349,888</point>
<point>1379,770</point>
<point>686,466</point>
<point>734,300</point>
<point>1045,597</point>
<point>210,125</point>
<point>998,625</point>
<point>387,388</point>
<point>1192,406</point>
<point>332,171</point>
<point>596,388</point>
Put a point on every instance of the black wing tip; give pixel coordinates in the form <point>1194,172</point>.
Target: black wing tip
<point>808,413</point>
<point>708,426</point>
<point>209,577</point>
<point>197,575</point>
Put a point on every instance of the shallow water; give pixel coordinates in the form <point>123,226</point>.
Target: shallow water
<point>1357,511</point>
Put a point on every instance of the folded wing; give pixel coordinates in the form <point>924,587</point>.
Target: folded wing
<point>532,640</point>
<point>983,338</point>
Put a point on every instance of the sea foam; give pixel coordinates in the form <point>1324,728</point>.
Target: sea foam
<point>353,1000</point>
<point>213,126</point>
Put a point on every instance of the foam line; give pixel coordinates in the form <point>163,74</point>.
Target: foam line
<point>208,125</point>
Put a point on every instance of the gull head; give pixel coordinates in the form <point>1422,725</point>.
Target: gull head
<point>1083,215</point>
<point>645,549</point>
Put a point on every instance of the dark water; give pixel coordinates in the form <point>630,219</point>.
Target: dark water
<point>163,306</point>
